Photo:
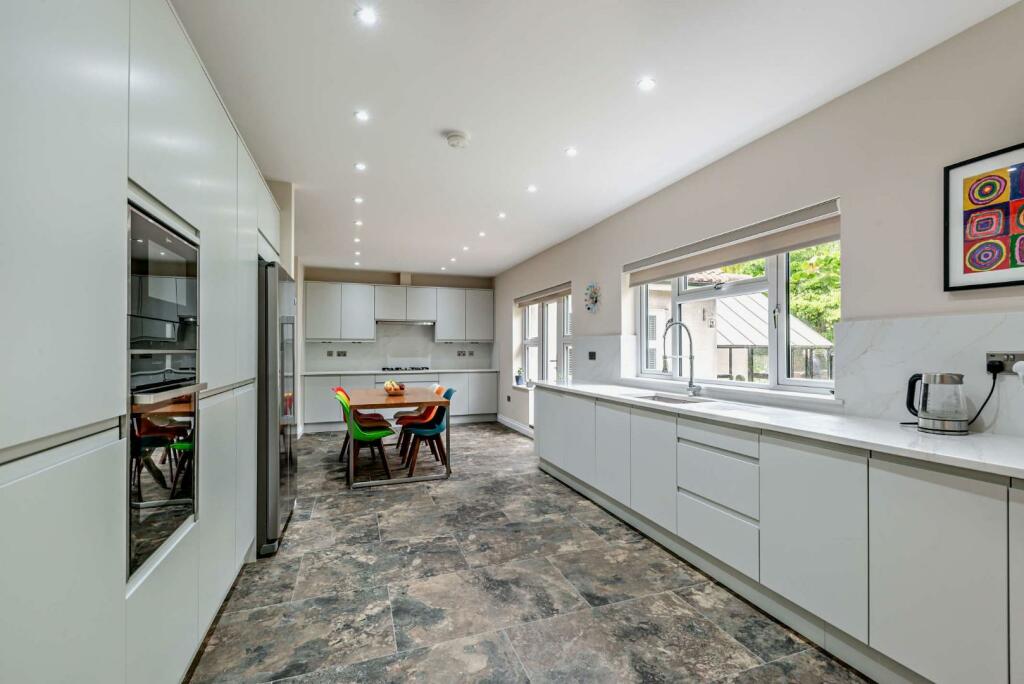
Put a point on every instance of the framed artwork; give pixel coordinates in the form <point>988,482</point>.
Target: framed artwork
<point>984,243</point>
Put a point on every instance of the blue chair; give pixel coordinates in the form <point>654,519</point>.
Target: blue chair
<point>432,433</point>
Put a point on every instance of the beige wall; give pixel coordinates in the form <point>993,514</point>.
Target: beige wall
<point>881,148</point>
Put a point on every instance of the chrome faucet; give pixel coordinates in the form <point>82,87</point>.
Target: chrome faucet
<point>691,388</point>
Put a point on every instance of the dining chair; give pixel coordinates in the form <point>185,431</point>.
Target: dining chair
<point>432,433</point>
<point>370,434</point>
<point>421,415</point>
<point>435,388</point>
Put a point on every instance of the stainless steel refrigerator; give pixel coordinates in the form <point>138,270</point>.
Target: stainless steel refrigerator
<point>276,380</point>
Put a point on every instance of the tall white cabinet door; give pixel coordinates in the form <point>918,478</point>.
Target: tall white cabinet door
<point>247,266</point>
<point>269,216</point>
<point>63,569</point>
<point>451,314</point>
<point>814,528</point>
<point>480,315</point>
<point>461,401</point>
<point>652,466</point>
<point>389,302</point>
<point>938,571</point>
<point>220,276</point>
<point>323,311</point>
<point>357,320</point>
<point>421,303</point>
<point>1017,582</point>
<point>215,507</point>
<point>64,136</point>
<point>245,471</point>
<point>548,426</point>
<point>578,431</point>
<point>318,402</point>
<point>611,451</point>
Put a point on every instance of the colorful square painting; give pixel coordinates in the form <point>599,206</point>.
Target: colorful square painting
<point>984,241</point>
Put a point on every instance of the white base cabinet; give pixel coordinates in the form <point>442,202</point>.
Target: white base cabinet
<point>476,394</point>
<point>652,466</point>
<point>1017,582</point>
<point>245,472</point>
<point>548,433</point>
<point>611,451</point>
<point>578,428</point>
<point>814,528</point>
<point>64,513</point>
<point>938,571</point>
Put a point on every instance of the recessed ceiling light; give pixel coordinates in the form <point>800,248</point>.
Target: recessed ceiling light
<point>367,16</point>
<point>357,199</point>
<point>362,115</point>
<point>359,223</point>
<point>355,239</point>
<point>482,233</point>
<point>444,268</point>
<point>502,216</point>
<point>357,263</point>
<point>360,166</point>
<point>646,84</point>
<point>165,254</point>
<point>138,239</point>
<point>571,151</point>
<point>452,259</point>
<point>465,248</point>
<point>167,240</point>
<point>531,188</point>
<point>358,253</point>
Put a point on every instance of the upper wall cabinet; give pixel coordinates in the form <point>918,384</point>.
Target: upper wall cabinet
<point>480,315</point>
<point>64,79</point>
<point>451,315</point>
<point>389,302</point>
<point>421,303</point>
<point>181,144</point>
<point>323,311</point>
<point>357,320</point>
<point>269,216</point>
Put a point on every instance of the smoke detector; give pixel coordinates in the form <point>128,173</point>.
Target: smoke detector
<point>456,139</point>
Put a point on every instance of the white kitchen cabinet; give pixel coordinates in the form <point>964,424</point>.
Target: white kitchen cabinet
<point>1017,582</point>
<point>480,315</point>
<point>247,265</point>
<point>451,314</point>
<point>215,505</point>
<point>814,528</point>
<point>181,144</point>
<point>162,614</point>
<point>220,275</point>
<point>63,569</point>
<point>245,471</point>
<point>721,477</point>
<point>475,393</point>
<point>269,220</point>
<point>579,430</point>
<point>323,311</point>
<point>421,303</point>
<point>357,320</point>
<point>548,426</point>
<point>318,402</point>
<point>389,302</point>
<point>611,450</point>
<point>718,532</point>
<point>652,466</point>
<point>64,136</point>
<point>938,570</point>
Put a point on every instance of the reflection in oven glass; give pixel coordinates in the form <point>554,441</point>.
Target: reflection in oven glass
<point>161,474</point>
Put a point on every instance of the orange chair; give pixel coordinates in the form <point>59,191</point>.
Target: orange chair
<point>418,419</point>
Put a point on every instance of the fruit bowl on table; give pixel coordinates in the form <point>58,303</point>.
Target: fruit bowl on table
<point>394,389</point>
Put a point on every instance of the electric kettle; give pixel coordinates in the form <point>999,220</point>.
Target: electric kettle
<point>942,409</point>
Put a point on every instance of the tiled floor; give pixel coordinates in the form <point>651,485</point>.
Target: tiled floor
<point>500,574</point>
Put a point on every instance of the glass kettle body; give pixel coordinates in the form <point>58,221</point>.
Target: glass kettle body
<point>942,408</point>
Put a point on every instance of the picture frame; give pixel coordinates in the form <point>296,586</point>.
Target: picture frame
<point>983,245</point>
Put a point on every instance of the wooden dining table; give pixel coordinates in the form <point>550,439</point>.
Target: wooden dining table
<point>365,399</point>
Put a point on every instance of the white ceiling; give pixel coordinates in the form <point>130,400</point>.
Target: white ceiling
<point>525,79</point>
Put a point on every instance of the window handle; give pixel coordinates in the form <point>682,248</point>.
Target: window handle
<point>775,317</point>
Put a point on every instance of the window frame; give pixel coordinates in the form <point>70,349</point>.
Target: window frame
<point>562,338</point>
<point>776,283</point>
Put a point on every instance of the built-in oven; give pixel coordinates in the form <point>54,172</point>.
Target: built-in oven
<point>163,352</point>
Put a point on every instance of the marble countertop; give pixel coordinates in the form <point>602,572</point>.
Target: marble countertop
<point>419,372</point>
<point>981,452</point>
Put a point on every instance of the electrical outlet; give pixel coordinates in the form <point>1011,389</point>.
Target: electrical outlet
<point>508,398</point>
<point>330,352</point>
<point>592,355</point>
<point>1008,359</point>
<point>341,352</point>
<point>470,352</point>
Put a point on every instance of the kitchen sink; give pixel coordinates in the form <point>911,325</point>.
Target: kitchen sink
<point>669,399</point>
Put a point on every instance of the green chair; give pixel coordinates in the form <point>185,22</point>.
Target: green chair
<point>370,436</point>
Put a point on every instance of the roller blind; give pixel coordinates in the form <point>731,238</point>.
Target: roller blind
<point>795,230</point>
<point>544,295</point>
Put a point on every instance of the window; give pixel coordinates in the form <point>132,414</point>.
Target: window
<point>765,322</point>
<point>547,340</point>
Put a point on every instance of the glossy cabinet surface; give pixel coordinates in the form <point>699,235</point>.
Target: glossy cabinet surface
<point>323,311</point>
<point>451,314</point>
<point>64,136</point>
<point>548,430</point>
<point>421,303</point>
<point>475,393</point>
<point>389,302</point>
<point>814,528</point>
<point>64,563</point>
<point>612,450</point>
<point>480,315</point>
<point>357,320</point>
<point>1017,582</point>
<point>246,265</point>
<point>215,508</point>
<point>269,219</point>
<point>719,532</point>
<point>652,466</point>
<point>245,470</point>
<point>319,404</point>
<point>578,416</point>
<point>938,571</point>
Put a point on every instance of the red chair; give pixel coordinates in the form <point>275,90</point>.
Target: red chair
<point>419,419</point>
<point>359,415</point>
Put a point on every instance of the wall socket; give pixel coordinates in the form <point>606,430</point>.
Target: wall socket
<point>1008,359</point>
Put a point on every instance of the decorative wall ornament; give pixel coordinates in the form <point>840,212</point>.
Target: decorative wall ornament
<point>592,297</point>
<point>984,219</point>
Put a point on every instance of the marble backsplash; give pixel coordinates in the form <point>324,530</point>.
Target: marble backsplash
<point>398,344</point>
<point>875,358</point>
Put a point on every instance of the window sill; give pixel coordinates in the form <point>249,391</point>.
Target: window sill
<point>522,388</point>
<point>813,401</point>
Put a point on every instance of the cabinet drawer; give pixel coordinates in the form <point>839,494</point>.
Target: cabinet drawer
<point>723,437</point>
<point>721,534</point>
<point>726,480</point>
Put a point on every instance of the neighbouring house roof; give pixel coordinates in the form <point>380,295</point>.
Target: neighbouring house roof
<point>742,321</point>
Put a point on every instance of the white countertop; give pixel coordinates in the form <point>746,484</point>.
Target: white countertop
<point>415,372</point>
<point>982,452</point>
